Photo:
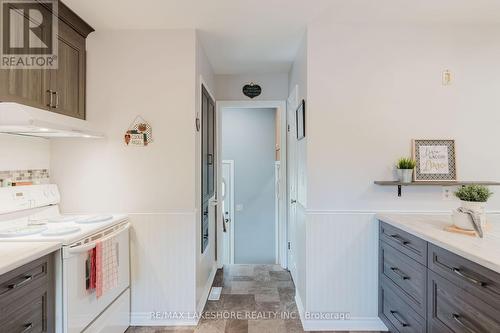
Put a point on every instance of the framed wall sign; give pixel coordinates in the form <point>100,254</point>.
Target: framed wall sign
<point>435,159</point>
<point>301,120</point>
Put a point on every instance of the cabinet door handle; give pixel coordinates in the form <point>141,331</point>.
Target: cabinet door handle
<point>457,317</point>
<point>57,99</point>
<point>27,328</point>
<point>399,273</point>
<point>51,94</point>
<point>400,239</point>
<point>401,321</point>
<point>22,283</point>
<point>468,278</point>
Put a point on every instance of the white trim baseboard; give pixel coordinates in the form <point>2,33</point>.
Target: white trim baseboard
<point>145,319</point>
<point>352,324</point>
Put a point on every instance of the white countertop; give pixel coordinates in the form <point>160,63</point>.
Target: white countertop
<point>17,254</point>
<point>483,251</point>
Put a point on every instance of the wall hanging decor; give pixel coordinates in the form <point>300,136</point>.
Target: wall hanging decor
<point>435,160</point>
<point>252,90</point>
<point>301,120</point>
<point>139,133</point>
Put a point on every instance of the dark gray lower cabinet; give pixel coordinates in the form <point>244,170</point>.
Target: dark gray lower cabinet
<point>451,309</point>
<point>444,293</point>
<point>27,298</point>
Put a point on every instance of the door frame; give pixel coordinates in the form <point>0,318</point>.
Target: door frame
<point>280,106</point>
<point>231,225</point>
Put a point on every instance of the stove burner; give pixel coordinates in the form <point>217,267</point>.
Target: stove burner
<point>62,219</point>
<point>94,219</point>
<point>22,231</point>
<point>61,231</point>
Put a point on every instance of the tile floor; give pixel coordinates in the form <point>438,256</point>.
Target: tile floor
<point>262,293</point>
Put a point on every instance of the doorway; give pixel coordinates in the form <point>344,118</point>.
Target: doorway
<point>252,148</point>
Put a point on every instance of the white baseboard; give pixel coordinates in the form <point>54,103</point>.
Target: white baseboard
<point>145,319</point>
<point>352,324</point>
<point>206,290</point>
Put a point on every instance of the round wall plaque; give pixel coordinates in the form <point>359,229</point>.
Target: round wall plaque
<point>252,90</point>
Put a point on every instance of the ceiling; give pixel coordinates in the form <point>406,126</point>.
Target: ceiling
<point>262,36</point>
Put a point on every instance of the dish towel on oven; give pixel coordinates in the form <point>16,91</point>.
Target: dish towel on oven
<point>106,266</point>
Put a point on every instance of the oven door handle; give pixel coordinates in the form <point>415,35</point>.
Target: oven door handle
<point>89,246</point>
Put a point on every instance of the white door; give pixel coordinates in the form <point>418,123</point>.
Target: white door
<point>292,103</point>
<point>228,212</point>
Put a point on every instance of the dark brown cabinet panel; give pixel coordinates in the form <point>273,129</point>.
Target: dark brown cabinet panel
<point>68,81</point>
<point>27,298</point>
<point>60,90</point>
<point>25,86</point>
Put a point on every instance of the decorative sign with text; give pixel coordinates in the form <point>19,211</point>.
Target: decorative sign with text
<point>139,133</point>
<point>252,90</point>
<point>435,160</point>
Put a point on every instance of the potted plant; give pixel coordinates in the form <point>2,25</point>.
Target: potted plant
<point>473,199</point>
<point>405,168</point>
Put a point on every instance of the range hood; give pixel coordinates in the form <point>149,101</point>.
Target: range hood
<point>25,120</point>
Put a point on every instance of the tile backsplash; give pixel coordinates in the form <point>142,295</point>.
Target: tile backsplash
<point>34,175</point>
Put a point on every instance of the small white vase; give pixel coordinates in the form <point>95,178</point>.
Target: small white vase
<point>405,175</point>
<point>477,207</point>
<point>464,221</point>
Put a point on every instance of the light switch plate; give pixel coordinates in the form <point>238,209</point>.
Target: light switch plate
<point>239,207</point>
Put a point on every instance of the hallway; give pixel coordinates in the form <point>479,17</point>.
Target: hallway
<point>261,296</point>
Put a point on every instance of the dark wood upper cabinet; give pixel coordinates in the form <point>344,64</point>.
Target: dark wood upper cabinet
<point>60,90</point>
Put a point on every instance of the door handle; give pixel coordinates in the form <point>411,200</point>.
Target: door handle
<point>293,201</point>
<point>51,94</point>
<point>57,99</point>
<point>25,280</point>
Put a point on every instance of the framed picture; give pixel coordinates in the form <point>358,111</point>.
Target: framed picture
<point>301,120</point>
<point>435,159</point>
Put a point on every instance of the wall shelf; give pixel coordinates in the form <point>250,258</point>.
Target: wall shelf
<point>433,183</point>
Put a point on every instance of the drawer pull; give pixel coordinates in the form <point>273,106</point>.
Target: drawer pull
<point>400,239</point>
<point>27,328</point>
<point>22,283</point>
<point>468,278</point>
<point>399,273</point>
<point>457,317</point>
<point>401,321</point>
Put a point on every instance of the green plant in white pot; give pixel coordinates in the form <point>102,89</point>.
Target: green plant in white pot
<point>473,202</point>
<point>405,168</point>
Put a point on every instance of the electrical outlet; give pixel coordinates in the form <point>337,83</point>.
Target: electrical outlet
<point>447,193</point>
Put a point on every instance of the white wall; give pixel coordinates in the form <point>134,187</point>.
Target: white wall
<point>23,153</point>
<point>298,80</point>
<point>205,263</point>
<point>274,86</point>
<point>371,89</point>
<point>149,73</point>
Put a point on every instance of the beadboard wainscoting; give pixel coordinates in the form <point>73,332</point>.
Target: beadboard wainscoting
<point>342,271</point>
<point>163,268</point>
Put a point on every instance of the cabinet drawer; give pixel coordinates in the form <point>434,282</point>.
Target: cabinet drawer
<point>15,283</point>
<point>408,276</point>
<point>30,317</point>
<point>399,314</point>
<point>475,279</point>
<point>451,309</point>
<point>410,245</point>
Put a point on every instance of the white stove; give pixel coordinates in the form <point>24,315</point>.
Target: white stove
<point>32,214</point>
